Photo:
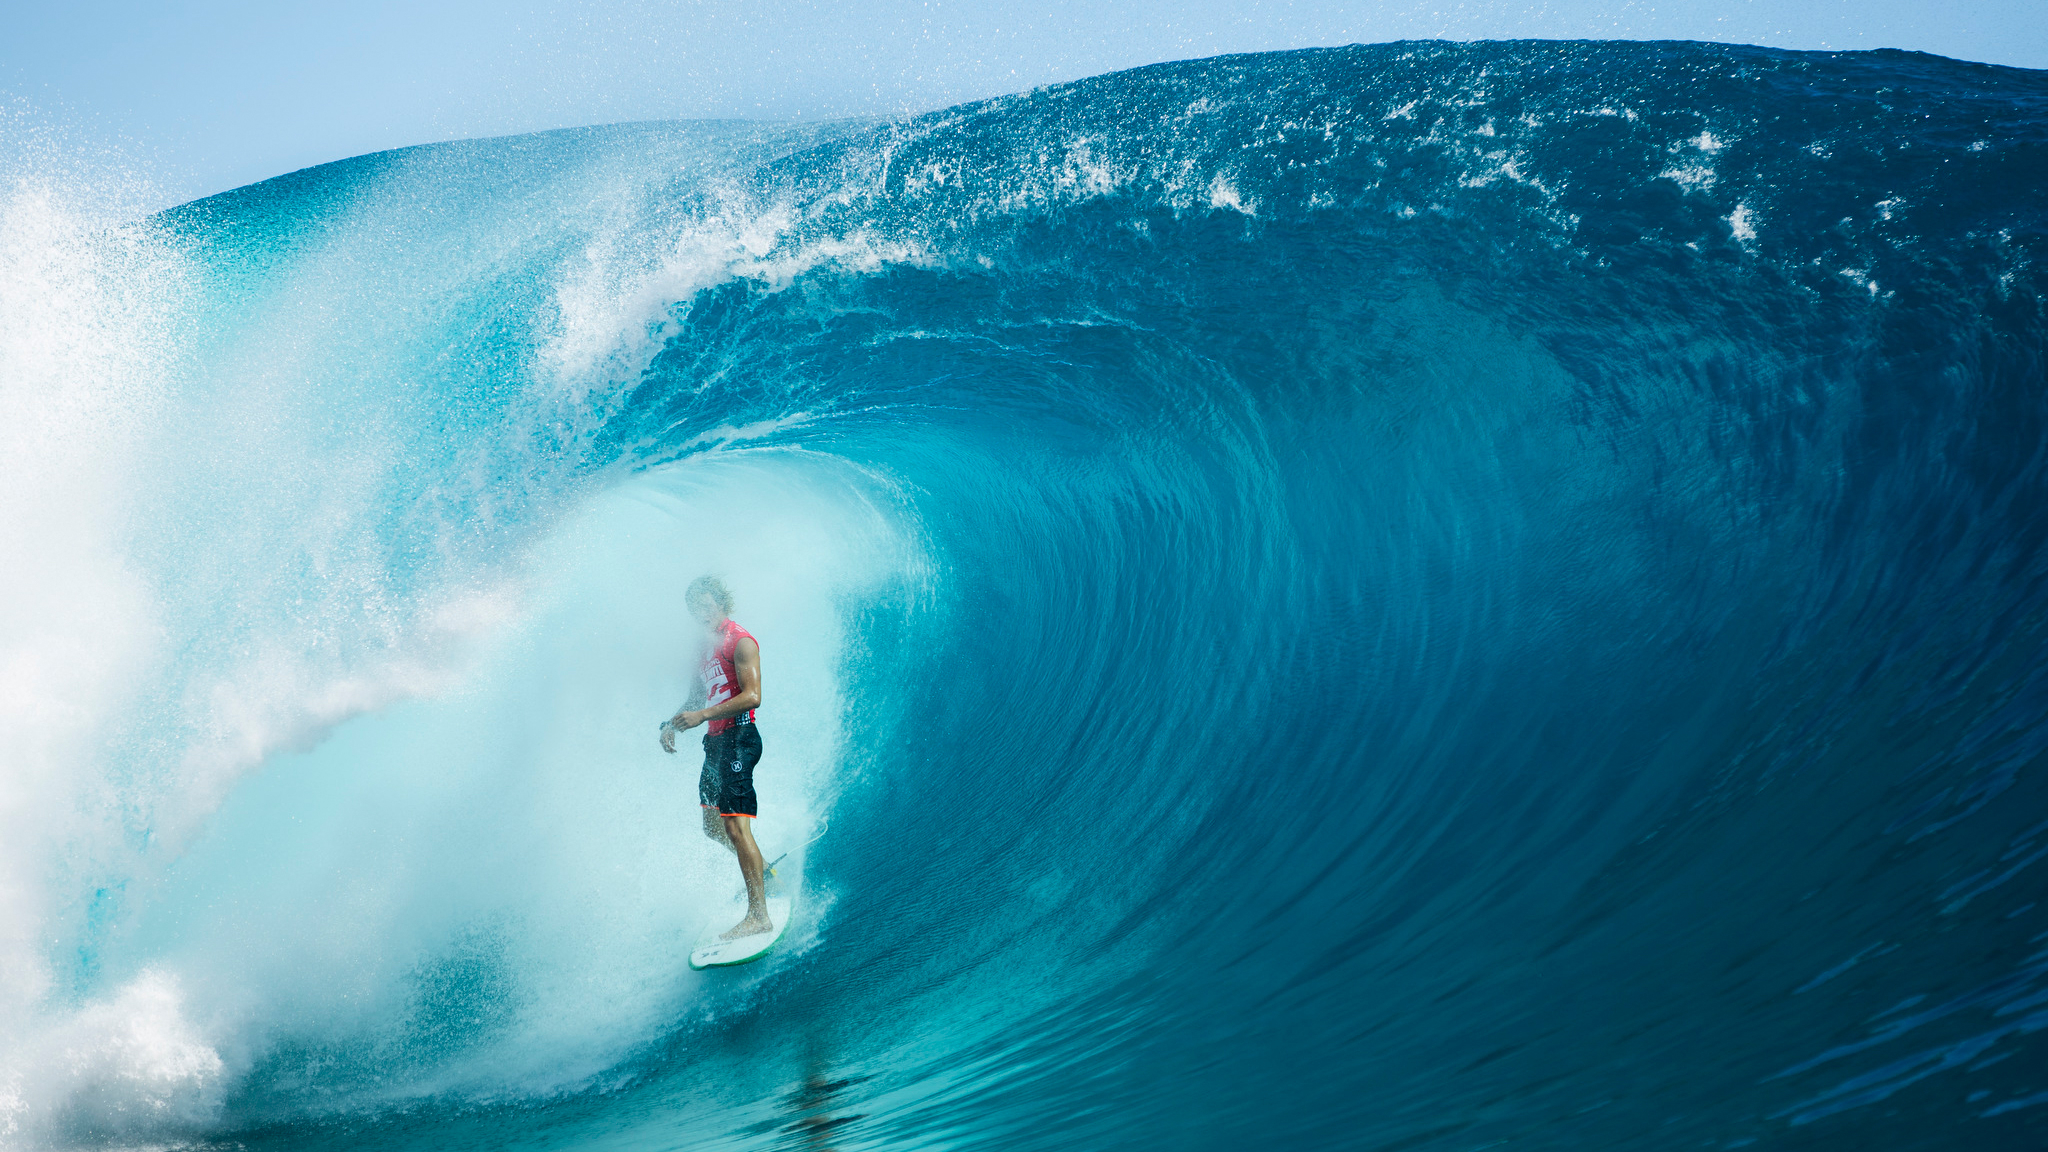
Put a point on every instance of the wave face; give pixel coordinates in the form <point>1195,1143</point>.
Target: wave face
<point>1415,596</point>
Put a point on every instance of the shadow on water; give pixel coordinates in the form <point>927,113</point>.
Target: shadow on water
<point>815,1108</point>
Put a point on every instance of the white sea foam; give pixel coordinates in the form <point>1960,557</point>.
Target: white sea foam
<point>84,309</point>
<point>1691,177</point>
<point>1224,194</point>
<point>132,1064</point>
<point>1742,224</point>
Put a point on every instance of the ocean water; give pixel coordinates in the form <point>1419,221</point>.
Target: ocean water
<point>1419,596</point>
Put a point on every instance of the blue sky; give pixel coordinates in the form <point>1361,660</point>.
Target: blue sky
<point>210,94</point>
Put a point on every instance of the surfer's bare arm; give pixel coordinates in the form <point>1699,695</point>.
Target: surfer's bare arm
<point>746,660</point>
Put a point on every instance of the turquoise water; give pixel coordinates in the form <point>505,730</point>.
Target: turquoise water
<point>1416,596</point>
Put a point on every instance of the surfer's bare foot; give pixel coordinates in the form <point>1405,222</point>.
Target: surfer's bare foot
<point>751,926</point>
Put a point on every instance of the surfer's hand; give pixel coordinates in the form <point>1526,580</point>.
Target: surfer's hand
<point>668,736</point>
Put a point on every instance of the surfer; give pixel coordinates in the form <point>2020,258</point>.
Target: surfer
<point>731,675</point>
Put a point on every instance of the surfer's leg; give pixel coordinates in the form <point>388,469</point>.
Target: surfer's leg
<point>714,828</point>
<point>710,786</point>
<point>738,753</point>
<point>741,837</point>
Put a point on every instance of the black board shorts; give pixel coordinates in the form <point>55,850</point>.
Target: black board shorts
<point>728,780</point>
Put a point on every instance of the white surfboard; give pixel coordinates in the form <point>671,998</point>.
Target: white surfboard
<point>711,952</point>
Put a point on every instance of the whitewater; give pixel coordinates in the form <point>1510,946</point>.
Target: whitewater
<point>1422,596</point>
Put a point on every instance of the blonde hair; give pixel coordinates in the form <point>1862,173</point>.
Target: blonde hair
<point>713,589</point>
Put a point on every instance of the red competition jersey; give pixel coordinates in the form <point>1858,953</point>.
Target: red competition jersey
<point>721,677</point>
